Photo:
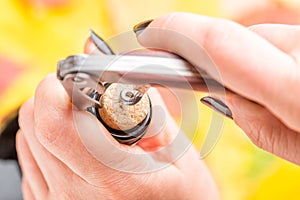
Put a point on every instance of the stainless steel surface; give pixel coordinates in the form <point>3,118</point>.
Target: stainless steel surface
<point>136,70</point>
<point>83,74</point>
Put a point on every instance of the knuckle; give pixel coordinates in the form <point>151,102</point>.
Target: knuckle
<point>257,27</point>
<point>50,130</point>
<point>43,85</point>
<point>166,20</point>
<point>260,138</point>
<point>217,33</point>
<point>267,137</point>
<point>285,106</point>
<point>53,112</point>
<point>256,136</point>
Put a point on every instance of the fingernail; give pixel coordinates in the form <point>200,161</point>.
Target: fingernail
<point>217,105</point>
<point>140,27</point>
<point>100,43</point>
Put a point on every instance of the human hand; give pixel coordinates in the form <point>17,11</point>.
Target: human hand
<point>67,154</point>
<point>259,63</point>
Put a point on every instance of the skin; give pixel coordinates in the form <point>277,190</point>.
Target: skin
<point>56,164</point>
<point>265,56</point>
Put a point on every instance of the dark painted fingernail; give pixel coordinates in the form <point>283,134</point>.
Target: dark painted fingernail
<point>217,105</point>
<point>100,43</point>
<point>140,27</point>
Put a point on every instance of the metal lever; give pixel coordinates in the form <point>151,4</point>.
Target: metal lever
<point>171,72</point>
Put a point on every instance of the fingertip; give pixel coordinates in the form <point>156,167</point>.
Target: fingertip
<point>247,114</point>
<point>239,106</point>
<point>140,27</point>
<point>217,105</point>
<point>89,46</point>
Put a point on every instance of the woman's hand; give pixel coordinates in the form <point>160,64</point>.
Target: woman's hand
<point>67,154</point>
<point>259,63</point>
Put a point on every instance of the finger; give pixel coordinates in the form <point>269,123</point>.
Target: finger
<point>172,105</point>
<point>78,139</point>
<point>26,190</point>
<point>57,131</point>
<point>165,105</point>
<point>264,129</point>
<point>30,168</point>
<point>154,139</point>
<point>91,48</point>
<point>236,52</point>
<point>162,128</point>
<point>283,36</point>
<point>52,169</point>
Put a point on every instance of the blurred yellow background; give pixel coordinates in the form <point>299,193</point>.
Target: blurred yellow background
<point>35,34</point>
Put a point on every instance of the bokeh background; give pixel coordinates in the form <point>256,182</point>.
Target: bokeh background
<point>35,34</point>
